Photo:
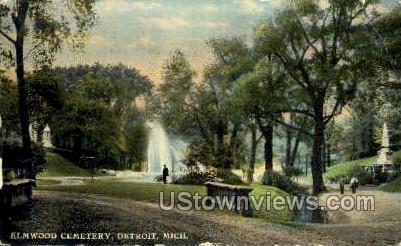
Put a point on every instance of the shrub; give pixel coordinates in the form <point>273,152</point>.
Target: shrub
<point>280,181</point>
<point>397,157</point>
<point>158,178</point>
<point>9,175</point>
<point>292,171</point>
<point>197,176</point>
<point>229,177</point>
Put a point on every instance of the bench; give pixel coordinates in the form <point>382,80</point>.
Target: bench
<point>16,192</point>
<point>240,194</point>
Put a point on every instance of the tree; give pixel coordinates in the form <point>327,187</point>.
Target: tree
<point>259,95</point>
<point>47,25</point>
<point>45,98</point>
<point>100,116</point>
<point>319,46</point>
<point>205,112</point>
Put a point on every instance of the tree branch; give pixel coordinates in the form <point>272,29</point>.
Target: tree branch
<point>7,37</point>
<point>292,127</point>
<point>333,113</point>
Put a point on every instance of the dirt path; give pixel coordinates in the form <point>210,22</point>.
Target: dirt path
<point>379,227</point>
<point>70,212</point>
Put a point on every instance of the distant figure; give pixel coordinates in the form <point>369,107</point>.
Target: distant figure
<point>165,174</point>
<point>342,186</point>
<point>354,184</point>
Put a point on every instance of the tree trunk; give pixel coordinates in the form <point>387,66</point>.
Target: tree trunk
<point>318,184</point>
<point>328,154</point>
<point>324,154</point>
<point>232,150</point>
<point>252,159</point>
<point>295,149</point>
<point>268,136</point>
<point>19,22</point>
<point>220,147</point>
<point>288,147</point>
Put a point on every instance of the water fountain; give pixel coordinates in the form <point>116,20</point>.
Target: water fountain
<point>164,150</point>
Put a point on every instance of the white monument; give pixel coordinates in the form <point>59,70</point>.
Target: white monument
<point>46,136</point>
<point>385,154</point>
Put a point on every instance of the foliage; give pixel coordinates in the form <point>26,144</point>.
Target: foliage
<point>51,24</point>
<point>397,157</point>
<point>229,177</point>
<point>196,176</point>
<point>45,26</point>
<point>39,161</point>
<point>205,113</point>
<point>280,181</point>
<point>201,176</point>
<point>323,51</point>
<point>291,171</point>
<point>100,116</point>
<point>9,105</point>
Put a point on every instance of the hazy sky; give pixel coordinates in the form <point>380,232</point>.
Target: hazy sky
<point>143,33</point>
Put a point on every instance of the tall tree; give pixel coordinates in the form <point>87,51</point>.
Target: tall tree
<point>319,46</point>
<point>205,112</point>
<point>42,26</point>
<point>259,94</point>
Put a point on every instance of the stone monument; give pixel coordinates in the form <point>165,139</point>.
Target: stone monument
<point>46,136</point>
<point>47,141</point>
<point>385,154</point>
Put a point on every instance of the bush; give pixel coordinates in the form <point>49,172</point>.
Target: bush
<point>158,178</point>
<point>229,177</point>
<point>280,181</point>
<point>397,157</point>
<point>292,171</point>
<point>196,176</point>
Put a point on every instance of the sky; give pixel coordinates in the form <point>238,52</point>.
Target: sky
<point>143,34</point>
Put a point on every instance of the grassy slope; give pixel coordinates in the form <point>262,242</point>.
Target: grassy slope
<point>56,165</point>
<point>343,168</point>
<point>393,186</point>
<point>149,192</point>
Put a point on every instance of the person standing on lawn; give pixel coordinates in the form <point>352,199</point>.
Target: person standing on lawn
<point>165,174</point>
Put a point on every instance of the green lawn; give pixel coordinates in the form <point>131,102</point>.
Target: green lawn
<point>56,165</point>
<point>347,169</point>
<point>393,186</point>
<point>149,192</point>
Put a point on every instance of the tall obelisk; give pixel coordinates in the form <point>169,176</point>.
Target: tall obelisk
<point>385,154</point>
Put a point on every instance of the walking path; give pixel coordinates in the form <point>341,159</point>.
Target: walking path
<point>72,212</point>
